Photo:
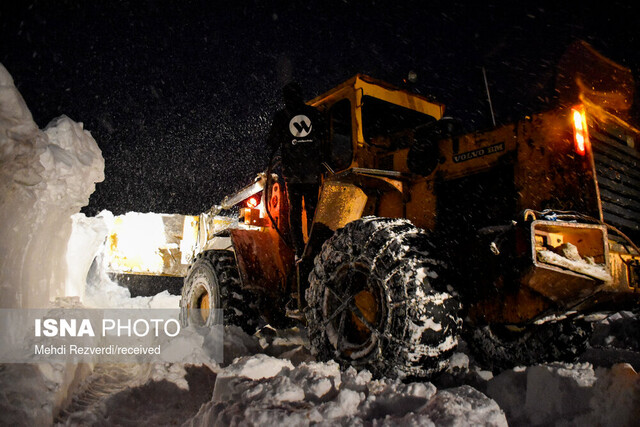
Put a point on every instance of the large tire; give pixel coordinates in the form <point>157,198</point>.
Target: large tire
<point>213,282</point>
<point>374,301</point>
<point>498,347</point>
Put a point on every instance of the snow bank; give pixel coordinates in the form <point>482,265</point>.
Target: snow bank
<point>264,390</point>
<point>45,178</point>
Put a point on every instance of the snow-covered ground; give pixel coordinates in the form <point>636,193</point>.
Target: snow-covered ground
<point>271,378</point>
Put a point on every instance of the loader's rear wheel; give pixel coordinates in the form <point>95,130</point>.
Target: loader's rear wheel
<point>500,347</point>
<point>375,301</point>
<point>213,284</point>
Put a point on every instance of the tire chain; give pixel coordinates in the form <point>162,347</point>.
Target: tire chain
<point>239,305</point>
<point>392,246</point>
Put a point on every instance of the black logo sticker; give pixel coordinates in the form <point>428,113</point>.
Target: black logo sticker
<point>300,126</point>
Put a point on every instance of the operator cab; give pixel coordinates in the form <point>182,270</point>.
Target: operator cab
<point>369,119</point>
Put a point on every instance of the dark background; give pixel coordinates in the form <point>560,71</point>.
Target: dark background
<point>179,95</point>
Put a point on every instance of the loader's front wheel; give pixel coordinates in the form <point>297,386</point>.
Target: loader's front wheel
<point>375,301</point>
<point>212,292</point>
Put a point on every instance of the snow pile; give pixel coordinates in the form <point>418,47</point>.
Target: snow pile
<point>263,390</point>
<point>567,256</point>
<point>260,389</point>
<point>45,177</point>
<point>568,394</point>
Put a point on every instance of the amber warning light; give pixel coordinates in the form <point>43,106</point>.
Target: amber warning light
<point>580,132</point>
<point>252,202</point>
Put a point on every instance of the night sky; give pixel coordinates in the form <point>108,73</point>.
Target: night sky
<point>179,95</point>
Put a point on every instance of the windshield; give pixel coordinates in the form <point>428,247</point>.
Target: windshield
<point>383,121</point>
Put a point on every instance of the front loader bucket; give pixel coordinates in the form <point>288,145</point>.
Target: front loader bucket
<point>564,275</point>
<point>151,244</point>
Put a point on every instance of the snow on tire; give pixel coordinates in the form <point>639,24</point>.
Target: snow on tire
<point>213,282</point>
<point>375,301</point>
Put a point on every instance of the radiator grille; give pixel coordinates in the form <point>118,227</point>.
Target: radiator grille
<point>618,170</point>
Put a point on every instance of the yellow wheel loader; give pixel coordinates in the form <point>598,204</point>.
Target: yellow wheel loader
<point>520,231</point>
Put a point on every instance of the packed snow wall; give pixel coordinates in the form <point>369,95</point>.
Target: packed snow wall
<point>46,176</point>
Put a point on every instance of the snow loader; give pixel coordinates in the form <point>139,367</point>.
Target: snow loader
<point>512,236</point>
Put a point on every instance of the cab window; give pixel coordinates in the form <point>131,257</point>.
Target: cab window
<point>340,141</point>
<point>383,123</point>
